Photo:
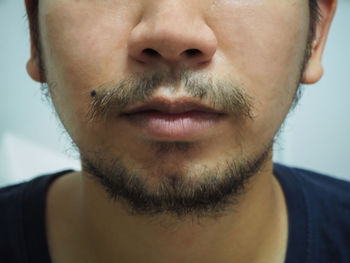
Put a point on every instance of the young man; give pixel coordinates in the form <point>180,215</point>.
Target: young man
<point>174,106</point>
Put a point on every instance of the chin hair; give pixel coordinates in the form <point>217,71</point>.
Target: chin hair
<point>204,193</point>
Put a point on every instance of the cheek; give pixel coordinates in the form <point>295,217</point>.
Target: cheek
<point>264,42</point>
<point>84,45</point>
<point>87,38</point>
<point>263,39</point>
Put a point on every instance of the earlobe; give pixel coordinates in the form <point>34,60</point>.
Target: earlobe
<point>312,72</point>
<point>33,65</point>
<point>314,69</point>
<point>33,69</point>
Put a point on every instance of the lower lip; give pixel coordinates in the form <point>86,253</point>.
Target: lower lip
<point>179,126</point>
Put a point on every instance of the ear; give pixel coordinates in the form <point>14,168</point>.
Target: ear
<point>314,69</point>
<point>33,64</point>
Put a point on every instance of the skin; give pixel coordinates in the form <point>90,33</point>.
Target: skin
<point>260,43</point>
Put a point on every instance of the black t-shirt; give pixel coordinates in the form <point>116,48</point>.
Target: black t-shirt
<point>318,212</point>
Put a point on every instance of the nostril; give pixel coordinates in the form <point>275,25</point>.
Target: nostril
<point>192,52</point>
<point>150,52</point>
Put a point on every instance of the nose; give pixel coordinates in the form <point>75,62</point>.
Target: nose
<point>172,35</point>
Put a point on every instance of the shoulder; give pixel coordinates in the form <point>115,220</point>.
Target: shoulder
<point>316,185</point>
<point>15,203</point>
<point>327,207</point>
<point>11,237</point>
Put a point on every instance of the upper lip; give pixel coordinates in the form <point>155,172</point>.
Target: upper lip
<point>177,106</point>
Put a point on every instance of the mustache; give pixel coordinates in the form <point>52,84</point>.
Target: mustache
<point>224,95</point>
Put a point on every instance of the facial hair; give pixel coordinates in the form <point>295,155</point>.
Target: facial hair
<point>180,192</point>
<point>176,194</point>
<point>208,195</point>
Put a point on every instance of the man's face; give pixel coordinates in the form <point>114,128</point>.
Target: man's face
<point>247,55</point>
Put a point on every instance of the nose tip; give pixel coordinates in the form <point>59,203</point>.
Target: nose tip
<point>191,47</point>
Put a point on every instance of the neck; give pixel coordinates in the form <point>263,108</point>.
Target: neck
<point>255,230</point>
<point>246,233</point>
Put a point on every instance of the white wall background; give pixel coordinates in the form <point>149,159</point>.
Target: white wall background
<point>316,135</point>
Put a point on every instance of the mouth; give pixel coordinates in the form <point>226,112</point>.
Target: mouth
<point>175,120</point>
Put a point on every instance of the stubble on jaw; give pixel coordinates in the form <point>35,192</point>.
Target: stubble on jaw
<point>181,193</point>
<point>173,189</point>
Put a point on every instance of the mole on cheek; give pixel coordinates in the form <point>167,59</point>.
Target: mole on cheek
<point>93,93</point>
